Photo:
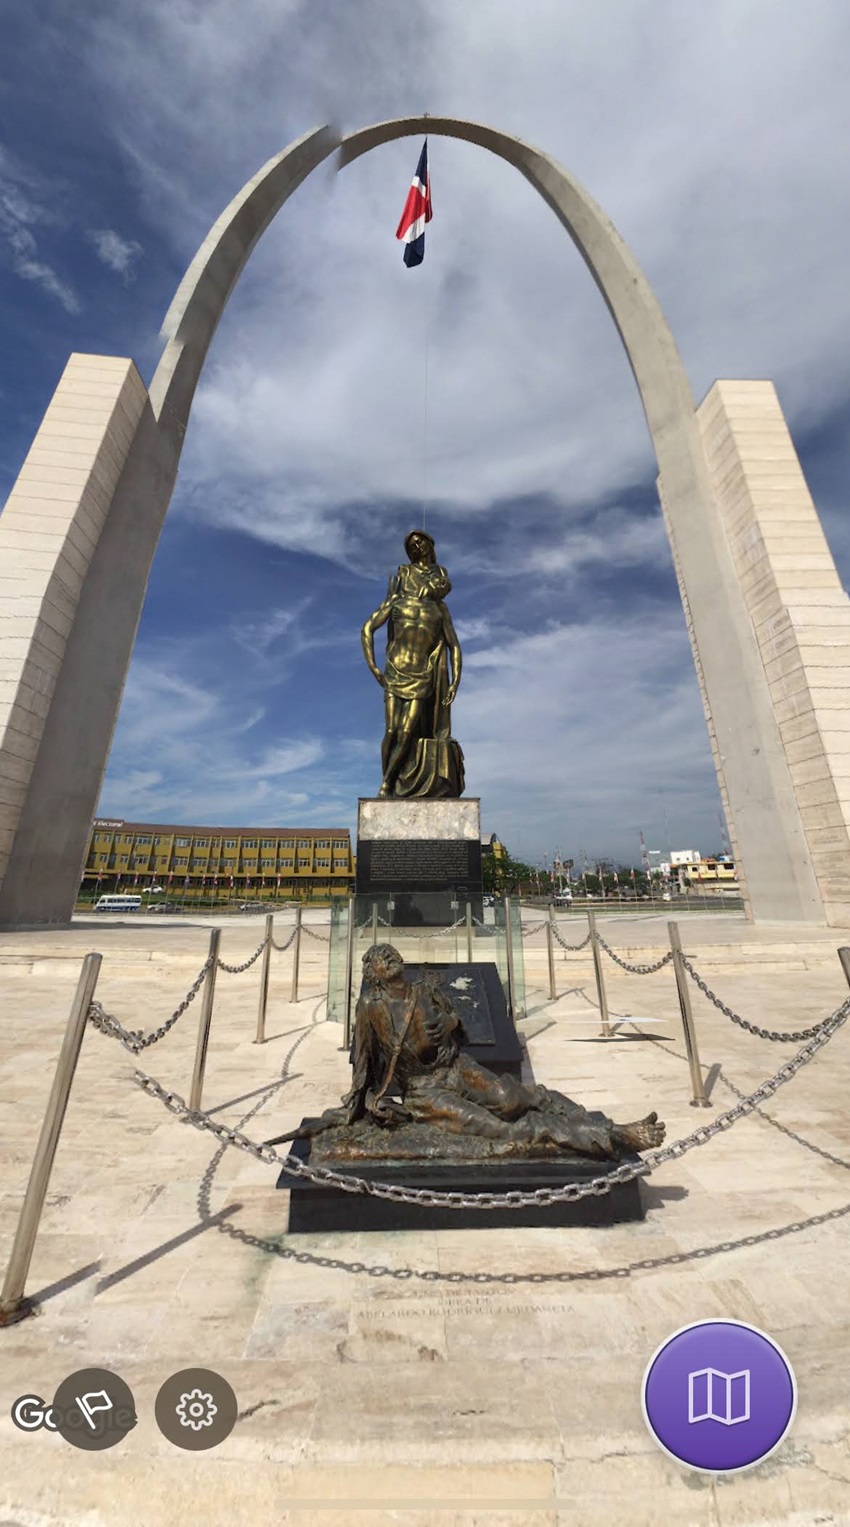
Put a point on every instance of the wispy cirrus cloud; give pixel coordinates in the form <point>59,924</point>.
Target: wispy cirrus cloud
<point>21,213</point>
<point>118,254</point>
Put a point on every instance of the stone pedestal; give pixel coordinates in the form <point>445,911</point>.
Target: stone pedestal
<point>317,1208</point>
<point>423,855</point>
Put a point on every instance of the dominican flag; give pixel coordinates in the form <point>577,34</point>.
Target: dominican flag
<point>417,212</point>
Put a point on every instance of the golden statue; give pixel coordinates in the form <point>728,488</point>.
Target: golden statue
<point>419,756</point>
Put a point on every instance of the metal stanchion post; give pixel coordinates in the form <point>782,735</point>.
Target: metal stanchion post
<point>509,953</point>
<point>264,982</point>
<point>844,957</point>
<point>349,966</point>
<point>699,1099</point>
<point>296,954</point>
<point>13,1305</point>
<point>550,950</point>
<point>374,923</point>
<point>197,1087</point>
<point>469,932</point>
<point>600,975</point>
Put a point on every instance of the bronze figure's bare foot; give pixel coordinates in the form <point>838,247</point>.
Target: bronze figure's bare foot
<point>643,1135</point>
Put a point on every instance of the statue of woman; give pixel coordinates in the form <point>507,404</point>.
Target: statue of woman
<point>419,756</point>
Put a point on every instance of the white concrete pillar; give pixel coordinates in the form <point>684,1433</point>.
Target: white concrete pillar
<point>49,531</point>
<point>800,613</point>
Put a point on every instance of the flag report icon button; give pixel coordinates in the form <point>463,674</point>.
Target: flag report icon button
<point>719,1396</point>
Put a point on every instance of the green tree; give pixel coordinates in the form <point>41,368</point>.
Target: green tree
<point>504,876</point>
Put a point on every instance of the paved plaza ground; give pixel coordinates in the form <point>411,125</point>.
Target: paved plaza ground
<point>459,1377</point>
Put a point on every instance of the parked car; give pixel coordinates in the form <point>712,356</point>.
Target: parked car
<point>252,906</point>
<point>161,906</point>
<point>562,899</point>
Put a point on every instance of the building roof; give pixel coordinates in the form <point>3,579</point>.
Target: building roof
<point>266,832</point>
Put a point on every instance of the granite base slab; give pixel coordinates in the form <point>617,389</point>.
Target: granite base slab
<point>315,1208</point>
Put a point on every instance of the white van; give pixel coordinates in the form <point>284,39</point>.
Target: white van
<point>118,904</point>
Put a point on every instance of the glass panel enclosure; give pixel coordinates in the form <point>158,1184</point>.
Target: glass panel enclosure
<point>474,935</point>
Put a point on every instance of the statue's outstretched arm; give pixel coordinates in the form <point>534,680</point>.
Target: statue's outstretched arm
<point>367,637</point>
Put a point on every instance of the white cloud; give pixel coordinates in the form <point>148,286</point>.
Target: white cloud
<point>20,212</point>
<point>715,138</point>
<point>583,734</point>
<point>183,749</point>
<point>119,254</point>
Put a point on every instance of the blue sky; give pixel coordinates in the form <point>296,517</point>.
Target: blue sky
<point>715,138</point>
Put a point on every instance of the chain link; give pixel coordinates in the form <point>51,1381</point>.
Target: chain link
<point>236,970</point>
<point>132,1039</point>
<point>796,1037</point>
<point>635,970</point>
<point>566,1193</point>
<point>412,933</point>
<point>281,948</point>
<point>573,948</point>
<point>324,938</point>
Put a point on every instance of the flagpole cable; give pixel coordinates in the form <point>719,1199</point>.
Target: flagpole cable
<point>425,419</point>
<point>428,321</point>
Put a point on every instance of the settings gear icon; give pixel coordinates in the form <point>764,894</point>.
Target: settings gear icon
<point>196,1409</point>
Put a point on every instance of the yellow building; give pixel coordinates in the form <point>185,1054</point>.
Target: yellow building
<point>712,874</point>
<point>218,863</point>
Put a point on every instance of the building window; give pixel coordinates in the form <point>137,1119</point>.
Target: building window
<point>323,864</point>
<point>102,858</point>
<point>249,843</point>
<point>181,842</point>
<point>268,864</point>
<point>323,842</point>
<point>201,842</point>
<point>286,864</point>
<point>267,843</point>
<point>124,858</point>
<point>142,840</point>
<point>181,863</point>
<point>287,843</point>
<point>230,842</point>
<point>305,842</point>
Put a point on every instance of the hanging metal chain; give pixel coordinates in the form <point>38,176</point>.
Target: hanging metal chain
<point>637,970</point>
<point>572,948</point>
<point>325,938</point>
<point>236,970</point>
<point>796,1037</point>
<point>132,1039</point>
<point>281,948</point>
<point>432,933</point>
<point>566,1193</point>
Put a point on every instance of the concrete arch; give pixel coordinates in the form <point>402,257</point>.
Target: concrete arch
<point>754,778</point>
